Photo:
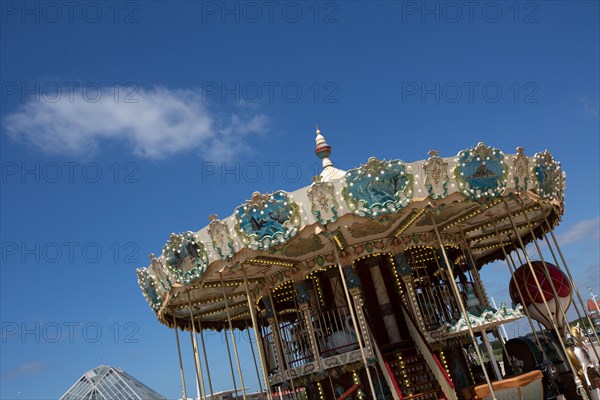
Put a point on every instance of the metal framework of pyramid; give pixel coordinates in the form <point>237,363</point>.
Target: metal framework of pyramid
<point>109,383</point>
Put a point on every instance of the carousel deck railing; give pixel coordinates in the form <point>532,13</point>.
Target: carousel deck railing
<point>333,332</point>
<point>296,349</point>
<point>270,353</point>
<point>437,303</point>
<point>295,343</point>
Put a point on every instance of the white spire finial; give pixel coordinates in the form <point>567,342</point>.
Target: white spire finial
<point>323,151</point>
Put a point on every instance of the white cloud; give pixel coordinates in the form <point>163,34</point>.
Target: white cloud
<point>586,229</point>
<point>163,122</point>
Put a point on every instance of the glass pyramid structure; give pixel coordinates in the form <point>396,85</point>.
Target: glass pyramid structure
<point>109,383</point>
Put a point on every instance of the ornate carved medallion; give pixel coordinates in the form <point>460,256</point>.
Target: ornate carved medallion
<point>185,257</point>
<point>547,176</point>
<point>149,288</point>
<point>378,187</point>
<point>324,205</point>
<point>520,170</point>
<point>267,220</point>
<point>481,172</point>
<point>161,274</point>
<point>220,237</point>
<point>436,176</point>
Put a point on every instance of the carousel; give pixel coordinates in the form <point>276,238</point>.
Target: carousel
<point>366,283</point>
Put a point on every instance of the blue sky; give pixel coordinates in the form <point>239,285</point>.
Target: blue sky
<point>124,122</point>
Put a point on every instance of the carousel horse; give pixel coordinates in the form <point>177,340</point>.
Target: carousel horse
<point>343,340</point>
<point>578,354</point>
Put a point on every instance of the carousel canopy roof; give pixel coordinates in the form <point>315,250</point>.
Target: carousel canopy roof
<point>472,199</point>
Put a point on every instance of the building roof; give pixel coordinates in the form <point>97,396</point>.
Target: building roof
<point>593,308</point>
<point>109,383</point>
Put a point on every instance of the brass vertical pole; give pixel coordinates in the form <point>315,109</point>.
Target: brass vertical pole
<point>463,308</point>
<point>437,263</point>
<point>180,363</point>
<point>235,352</point>
<point>258,378</point>
<point>277,337</point>
<point>512,269</point>
<point>230,361</point>
<point>305,315</point>
<point>546,272</point>
<point>568,270</point>
<point>354,322</point>
<point>534,331</point>
<point>199,377</point>
<point>477,282</point>
<point>261,355</point>
<point>540,330</point>
<point>206,359</point>
<point>578,382</point>
<point>199,383</point>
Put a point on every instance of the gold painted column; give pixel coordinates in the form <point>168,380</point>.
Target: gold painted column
<point>355,289</point>
<point>352,281</point>
<point>404,271</point>
<point>303,297</point>
<point>358,299</point>
<point>279,356</point>
<point>412,301</point>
